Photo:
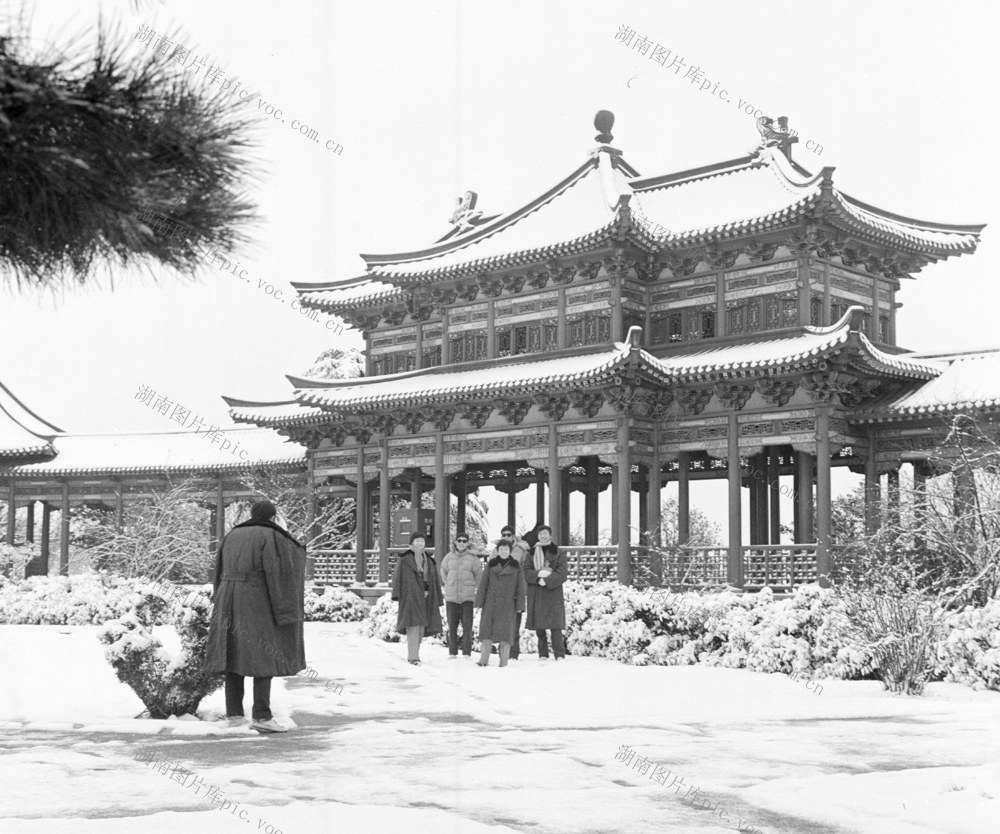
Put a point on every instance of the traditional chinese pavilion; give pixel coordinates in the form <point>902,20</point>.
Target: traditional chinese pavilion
<point>45,467</point>
<point>732,321</point>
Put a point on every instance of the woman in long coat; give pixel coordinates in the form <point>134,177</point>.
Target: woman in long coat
<point>257,616</point>
<point>545,571</point>
<point>500,595</point>
<point>417,587</point>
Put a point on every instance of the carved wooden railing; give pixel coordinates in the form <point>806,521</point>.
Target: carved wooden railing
<point>781,567</point>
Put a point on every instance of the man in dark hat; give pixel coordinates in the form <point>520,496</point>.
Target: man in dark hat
<point>256,629</point>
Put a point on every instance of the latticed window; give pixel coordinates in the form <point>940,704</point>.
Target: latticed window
<point>503,343</point>
<point>883,329</point>
<point>658,326</point>
<point>753,314</point>
<point>550,336</point>
<point>736,319</point>
<point>707,325</point>
<point>781,311</point>
<point>468,346</point>
<point>675,324</point>
<point>816,311</point>
<point>431,356</point>
<point>520,339</point>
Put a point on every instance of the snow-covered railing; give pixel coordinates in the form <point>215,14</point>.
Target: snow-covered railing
<point>778,566</point>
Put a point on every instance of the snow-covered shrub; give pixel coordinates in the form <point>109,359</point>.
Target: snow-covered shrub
<point>900,628</point>
<point>603,621</point>
<point>380,624</point>
<point>335,605</point>
<point>969,653</point>
<point>15,557</point>
<point>167,685</point>
<point>85,599</point>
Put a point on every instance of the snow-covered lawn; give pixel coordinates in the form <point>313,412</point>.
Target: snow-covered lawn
<point>450,747</point>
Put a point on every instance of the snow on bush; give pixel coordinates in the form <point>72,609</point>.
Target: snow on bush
<point>167,685</point>
<point>970,651</point>
<point>335,605</point>
<point>85,599</point>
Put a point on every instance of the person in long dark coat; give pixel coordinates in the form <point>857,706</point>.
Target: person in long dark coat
<point>417,587</point>
<point>545,571</point>
<point>257,617</point>
<point>500,595</point>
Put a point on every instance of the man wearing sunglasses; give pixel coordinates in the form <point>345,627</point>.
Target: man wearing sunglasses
<point>460,571</point>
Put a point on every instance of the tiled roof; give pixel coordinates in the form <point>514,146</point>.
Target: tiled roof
<point>967,381</point>
<point>511,375</point>
<point>22,432</point>
<point>164,452</point>
<point>729,199</point>
<point>797,348</point>
<point>288,413</point>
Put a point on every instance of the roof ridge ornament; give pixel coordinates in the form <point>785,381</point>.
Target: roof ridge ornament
<point>604,121</point>
<point>775,133</point>
<point>465,215</point>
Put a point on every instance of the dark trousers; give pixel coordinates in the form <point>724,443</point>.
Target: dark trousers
<point>558,646</point>
<point>456,611</point>
<point>261,697</point>
<point>515,647</point>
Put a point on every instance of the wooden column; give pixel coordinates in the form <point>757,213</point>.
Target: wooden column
<point>491,332</point>
<point>384,496</point>
<point>654,492</point>
<point>360,521</point>
<point>623,510</point>
<point>442,533</point>
<point>872,489</point>
<point>539,495</point>
<point>462,494</point>
<point>46,538</point>
<point>643,503</point>
<point>120,506</point>
<point>919,501</point>
<point>561,331</point>
<point>591,497</point>
<point>29,524</point>
<point>445,341</point>
<point>555,482</point>
<point>11,512</point>
<point>734,572</point>
<point>964,493</point>
<point>774,493</point>
<point>824,562</point>
<point>213,542</point>
<point>64,531</point>
<point>893,496</point>
<point>804,294</point>
<point>512,495</point>
<point>563,529</point>
<point>754,481</point>
<point>804,468</point>
<point>417,490</point>
<point>617,314</point>
<point>418,359</point>
<point>826,294</point>
<point>683,498</point>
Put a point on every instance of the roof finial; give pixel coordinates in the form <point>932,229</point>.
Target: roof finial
<point>775,133</point>
<point>604,121</point>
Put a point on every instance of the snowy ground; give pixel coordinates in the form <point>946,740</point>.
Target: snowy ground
<point>451,747</point>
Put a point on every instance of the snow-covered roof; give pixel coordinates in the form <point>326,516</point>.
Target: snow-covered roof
<point>23,434</point>
<point>164,452</point>
<point>799,347</point>
<point>968,381</point>
<point>605,198</point>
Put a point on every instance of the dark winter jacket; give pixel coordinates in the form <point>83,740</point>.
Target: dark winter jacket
<point>546,608</point>
<point>257,615</point>
<point>501,594</point>
<point>419,596</point>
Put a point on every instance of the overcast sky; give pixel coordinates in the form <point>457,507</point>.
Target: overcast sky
<point>431,99</point>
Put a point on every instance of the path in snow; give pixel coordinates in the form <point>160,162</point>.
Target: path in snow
<point>449,745</point>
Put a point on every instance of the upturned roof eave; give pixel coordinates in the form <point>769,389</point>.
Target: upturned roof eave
<point>479,232</point>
